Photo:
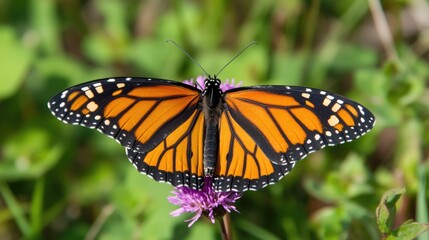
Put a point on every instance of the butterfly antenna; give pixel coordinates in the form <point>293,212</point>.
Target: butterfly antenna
<point>197,84</point>
<point>244,49</point>
<point>189,56</point>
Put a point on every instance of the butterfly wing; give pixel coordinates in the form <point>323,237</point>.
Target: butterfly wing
<point>264,130</point>
<point>159,120</point>
<point>178,158</point>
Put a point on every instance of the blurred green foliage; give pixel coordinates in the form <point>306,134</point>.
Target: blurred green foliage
<point>66,182</point>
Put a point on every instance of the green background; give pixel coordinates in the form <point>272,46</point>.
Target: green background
<point>65,182</point>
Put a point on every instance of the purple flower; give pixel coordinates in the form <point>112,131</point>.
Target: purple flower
<point>208,202</point>
<point>199,81</point>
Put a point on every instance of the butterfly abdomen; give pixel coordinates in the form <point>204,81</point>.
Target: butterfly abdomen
<point>210,148</point>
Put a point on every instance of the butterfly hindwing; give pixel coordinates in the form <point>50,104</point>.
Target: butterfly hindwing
<point>178,158</point>
<point>285,123</point>
<point>242,165</point>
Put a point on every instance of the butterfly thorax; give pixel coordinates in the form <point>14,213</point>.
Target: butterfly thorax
<point>212,97</point>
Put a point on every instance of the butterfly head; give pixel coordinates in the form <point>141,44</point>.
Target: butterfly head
<point>212,82</point>
<point>212,91</point>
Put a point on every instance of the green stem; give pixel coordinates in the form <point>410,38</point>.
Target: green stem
<point>36,218</point>
<point>311,25</point>
<point>15,209</point>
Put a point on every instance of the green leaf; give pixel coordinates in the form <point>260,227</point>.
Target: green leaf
<point>14,62</point>
<point>150,55</point>
<point>254,230</point>
<point>28,155</point>
<point>409,230</point>
<point>328,222</point>
<point>422,201</point>
<point>350,180</point>
<point>202,229</point>
<point>248,69</point>
<point>16,210</point>
<point>408,153</point>
<point>353,57</point>
<point>36,216</point>
<point>44,19</point>
<point>386,210</point>
<point>99,48</point>
<point>288,69</point>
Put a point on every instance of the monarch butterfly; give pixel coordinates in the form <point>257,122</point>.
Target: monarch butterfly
<point>244,138</point>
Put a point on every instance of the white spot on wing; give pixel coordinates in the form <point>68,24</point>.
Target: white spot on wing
<point>317,137</point>
<point>336,107</point>
<point>63,94</point>
<point>89,93</point>
<point>92,106</point>
<point>361,110</point>
<point>326,102</point>
<point>99,89</point>
<point>333,120</point>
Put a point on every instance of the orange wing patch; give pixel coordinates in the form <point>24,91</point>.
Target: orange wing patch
<point>280,119</point>
<point>263,97</point>
<point>162,113</point>
<point>242,165</point>
<point>238,153</point>
<point>178,158</point>
<point>352,110</point>
<point>77,103</point>
<point>160,91</point>
<point>346,117</point>
<point>176,148</point>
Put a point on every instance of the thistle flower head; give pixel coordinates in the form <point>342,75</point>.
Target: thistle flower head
<point>206,201</point>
